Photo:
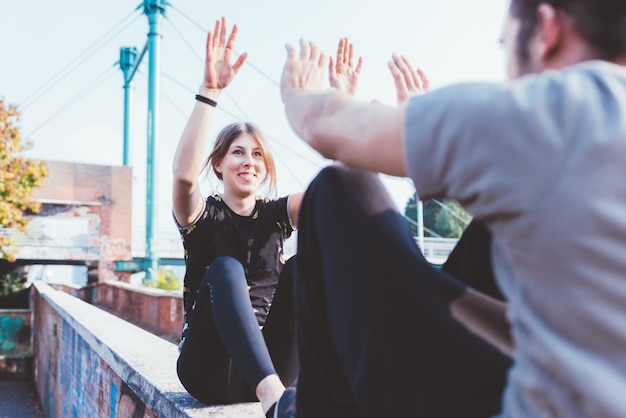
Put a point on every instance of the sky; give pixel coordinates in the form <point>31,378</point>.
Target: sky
<point>60,66</point>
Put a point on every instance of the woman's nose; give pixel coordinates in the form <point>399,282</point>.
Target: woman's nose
<point>247,160</point>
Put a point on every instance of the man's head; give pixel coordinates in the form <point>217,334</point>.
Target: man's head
<point>541,34</point>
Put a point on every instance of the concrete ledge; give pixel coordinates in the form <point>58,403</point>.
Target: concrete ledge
<point>155,310</point>
<point>145,362</point>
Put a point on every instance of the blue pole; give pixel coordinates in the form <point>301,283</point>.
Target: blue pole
<point>154,9</point>
<point>128,56</point>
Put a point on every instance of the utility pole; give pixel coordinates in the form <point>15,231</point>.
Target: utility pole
<point>155,10</point>
<point>419,205</point>
<point>128,58</point>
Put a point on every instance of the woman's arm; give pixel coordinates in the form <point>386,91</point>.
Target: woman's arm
<point>295,201</point>
<point>187,200</point>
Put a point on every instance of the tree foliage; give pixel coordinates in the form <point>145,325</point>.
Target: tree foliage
<point>18,177</point>
<point>11,282</point>
<point>165,280</point>
<point>445,219</point>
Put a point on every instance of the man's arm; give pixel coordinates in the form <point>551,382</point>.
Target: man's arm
<point>363,135</point>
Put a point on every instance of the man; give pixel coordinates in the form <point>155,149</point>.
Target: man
<point>542,160</point>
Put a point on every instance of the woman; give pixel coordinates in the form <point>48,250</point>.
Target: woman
<point>238,341</point>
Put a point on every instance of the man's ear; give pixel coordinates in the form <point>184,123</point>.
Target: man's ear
<point>550,31</point>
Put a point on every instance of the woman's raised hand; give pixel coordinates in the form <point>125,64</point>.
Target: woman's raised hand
<point>218,70</point>
<point>409,81</point>
<point>342,73</point>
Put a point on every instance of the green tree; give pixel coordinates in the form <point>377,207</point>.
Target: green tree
<point>444,219</point>
<point>165,280</point>
<point>11,282</point>
<point>18,177</point>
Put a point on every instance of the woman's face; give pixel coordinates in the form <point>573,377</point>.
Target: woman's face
<point>243,167</point>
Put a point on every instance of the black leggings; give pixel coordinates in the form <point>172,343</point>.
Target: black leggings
<point>226,354</point>
<point>375,334</point>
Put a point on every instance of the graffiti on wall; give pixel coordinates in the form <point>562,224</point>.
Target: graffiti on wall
<point>9,327</point>
<point>14,334</point>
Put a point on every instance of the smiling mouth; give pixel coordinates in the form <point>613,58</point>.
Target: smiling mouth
<point>247,176</point>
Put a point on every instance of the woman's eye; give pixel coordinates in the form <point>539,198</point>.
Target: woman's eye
<point>237,151</point>
<point>258,154</point>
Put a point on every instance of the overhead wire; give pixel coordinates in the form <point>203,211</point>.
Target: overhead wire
<point>240,119</point>
<point>205,30</point>
<point>430,231</point>
<point>451,212</point>
<point>53,81</point>
<point>265,75</point>
<point>235,103</point>
<point>168,99</point>
<point>100,79</point>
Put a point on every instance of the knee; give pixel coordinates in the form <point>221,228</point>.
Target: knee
<point>332,176</point>
<point>224,270</point>
<point>342,180</point>
<point>289,269</point>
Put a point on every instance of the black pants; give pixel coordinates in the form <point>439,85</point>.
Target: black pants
<point>226,354</point>
<point>375,333</point>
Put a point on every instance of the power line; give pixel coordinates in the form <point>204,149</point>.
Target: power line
<point>174,105</point>
<point>101,78</point>
<point>193,22</point>
<point>235,103</point>
<point>244,119</point>
<point>226,92</point>
<point>430,231</point>
<point>248,62</point>
<point>238,118</point>
<point>166,97</point>
<point>451,212</point>
<point>75,63</point>
<point>185,41</point>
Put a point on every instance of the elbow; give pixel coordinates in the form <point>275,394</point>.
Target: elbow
<point>184,184</point>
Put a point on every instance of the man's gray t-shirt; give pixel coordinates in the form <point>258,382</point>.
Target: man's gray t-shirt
<point>543,160</point>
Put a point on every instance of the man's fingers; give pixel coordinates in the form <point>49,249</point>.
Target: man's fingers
<point>359,65</point>
<point>425,80</point>
<point>291,52</point>
<point>399,80</point>
<point>349,61</point>
<point>340,48</point>
<point>315,52</point>
<point>401,67</point>
<point>305,50</point>
<point>416,80</point>
<point>321,62</point>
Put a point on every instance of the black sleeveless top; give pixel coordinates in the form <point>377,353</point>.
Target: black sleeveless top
<point>255,240</point>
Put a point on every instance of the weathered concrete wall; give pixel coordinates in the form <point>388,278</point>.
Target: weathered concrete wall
<point>91,363</point>
<point>158,311</point>
<point>72,379</point>
<point>155,310</point>
<point>15,344</point>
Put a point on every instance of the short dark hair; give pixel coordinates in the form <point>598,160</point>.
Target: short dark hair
<point>601,23</point>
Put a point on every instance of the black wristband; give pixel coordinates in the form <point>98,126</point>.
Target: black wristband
<point>206,100</point>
